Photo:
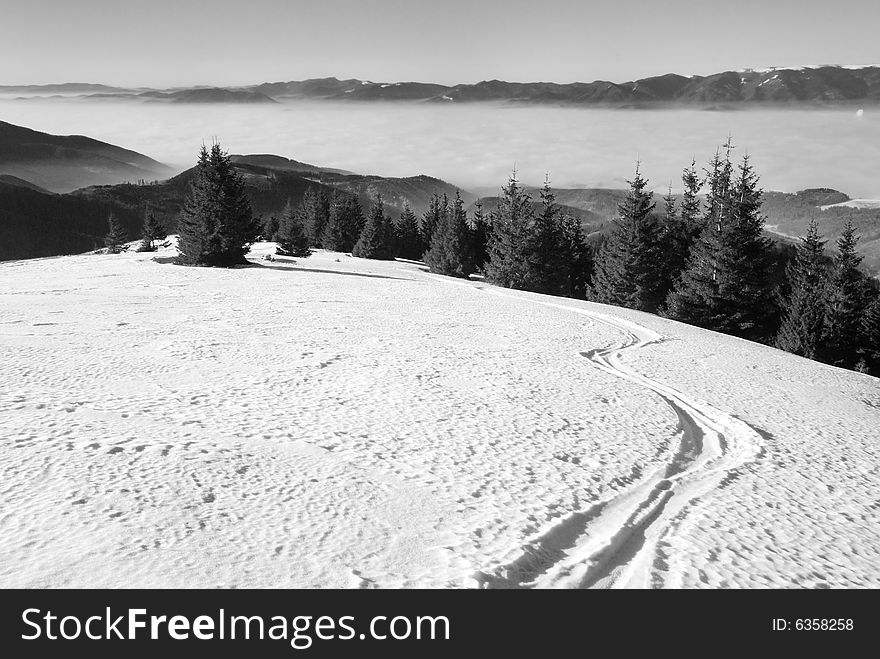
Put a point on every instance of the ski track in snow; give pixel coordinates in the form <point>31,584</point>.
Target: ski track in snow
<point>614,543</point>
<point>338,422</point>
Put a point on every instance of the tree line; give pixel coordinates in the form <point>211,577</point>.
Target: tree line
<point>704,259</point>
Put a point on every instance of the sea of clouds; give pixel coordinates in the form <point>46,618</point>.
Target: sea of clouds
<point>477,146</point>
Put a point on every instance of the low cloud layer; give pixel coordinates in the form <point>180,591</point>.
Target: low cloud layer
<point>477,146</point>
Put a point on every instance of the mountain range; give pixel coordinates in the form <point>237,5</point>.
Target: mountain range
<point>62,163</point>
<point>810,85</point>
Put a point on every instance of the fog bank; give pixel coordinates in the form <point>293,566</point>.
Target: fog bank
<point>477,146</point>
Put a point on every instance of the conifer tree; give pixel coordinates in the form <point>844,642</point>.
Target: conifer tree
<point>480,231</point>
<point>115,238</point>
<point>803,324</point>
<point>690,202</point>
<point>451,251</point>
<point>626,266</point>
<point>344,226</point>
<point>676,237</point>
<point>152,231</point>
<point>870,341</point>
<point>694,298</point>
<point>409,244</point>
<point>507,241</point>
<point>745,279</point>
<point>438,207</point>
<point>376,240</point>
<point>544,249</point>
<point>578,258</point>
<point>315,210</point>
<point>292,237</point>
<point>270,227</point>
<point>726,285</point>
<point>217,225</point>
<point>847,300</point>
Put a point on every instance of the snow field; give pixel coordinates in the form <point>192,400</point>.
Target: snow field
<point>336,422</point>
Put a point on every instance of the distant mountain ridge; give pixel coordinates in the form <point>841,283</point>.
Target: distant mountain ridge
<point>801,85</point>
<point>62,163</point>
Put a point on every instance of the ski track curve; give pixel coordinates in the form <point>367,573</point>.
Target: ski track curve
<point>617,542</point>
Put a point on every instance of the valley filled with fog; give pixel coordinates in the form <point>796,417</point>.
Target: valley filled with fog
<point>477,145</point>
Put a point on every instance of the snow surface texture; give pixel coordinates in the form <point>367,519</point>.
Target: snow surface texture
<point>337,422</point>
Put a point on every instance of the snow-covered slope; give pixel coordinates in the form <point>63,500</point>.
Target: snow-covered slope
<point>341,422</point>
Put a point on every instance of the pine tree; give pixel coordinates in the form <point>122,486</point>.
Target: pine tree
<point>727,283</point>
<point>870,341</point>
<point>745,280</point>
<point>682,227</point>
<point>847,300</point>
<point>544,247</point>
<point>270,227</point>
<point>409,244</point>
<point>676,237</point>
<point>480,231</point>
<point>216,225</point>
<point>451,251</point>
<point>690,202</point>
<point>292,237</point>
<point>437,208</point>
<point>376,240</point>
<point>626,266</point>
<point>315,210</point>
<point>115,238</point>
<point>577,256</point>
<point>803,324</point>
<point>116,235</point>
<point>344,226</point>
<point>153,230</point>
<point>694,298</point>
<point>510,226</point>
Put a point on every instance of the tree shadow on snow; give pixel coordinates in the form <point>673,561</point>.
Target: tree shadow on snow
<point>292,268</point>
<point>320,270</point>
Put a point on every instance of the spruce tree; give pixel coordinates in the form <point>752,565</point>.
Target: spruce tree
<point>344,225</point>
<point>217,225</point>
<point>694,298</point>
<point>115,238</point>
<point>745,279</point>
<point>507,240</point>
<point>690,202</point>
<point>626,269</point>
<point>870,341</point>
<point>292,237</point>
<point>438,208</point>
<point>270,227</point>
<point>480,231</point>
<point>544,248</point>
<point>726,285</point>
<point>676,237</point>
<point>578,258</point>
<point>847,300</point>
<point>376,240</point>
<point>153,230</point>
<point>315,211</point>
<point>682,227</point>
<point>409,244</point>
<point>803,324</point>
<point>451,252</point>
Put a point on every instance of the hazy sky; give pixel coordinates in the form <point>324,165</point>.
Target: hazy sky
<point>228,42</point>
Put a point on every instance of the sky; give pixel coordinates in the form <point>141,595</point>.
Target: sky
<point>164,43</point>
